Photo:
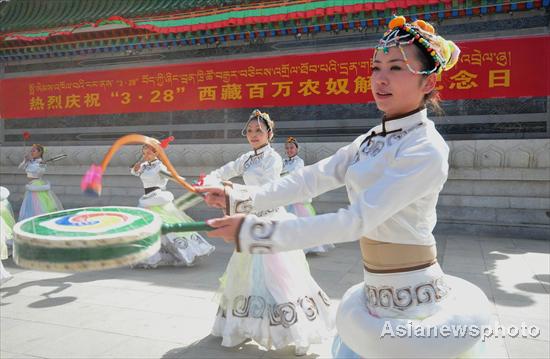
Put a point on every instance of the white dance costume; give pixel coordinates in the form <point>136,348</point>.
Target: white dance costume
<point>177,249</point>
<point>269,298</point>
<point>6,231</point>
<point>302,209</point>
<point>393,176</point>
<point>39,198</point>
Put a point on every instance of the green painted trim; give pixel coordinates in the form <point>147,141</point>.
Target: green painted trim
<point>29,252</point>
<point>285,9</point>
<point>33,226</point>
<point>186,227</point>
<point>257,13</point>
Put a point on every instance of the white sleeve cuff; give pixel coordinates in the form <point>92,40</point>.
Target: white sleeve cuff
<point>255,236</point>
<point>239,200</point>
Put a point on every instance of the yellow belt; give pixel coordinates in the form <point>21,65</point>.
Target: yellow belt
<point>384,257</point>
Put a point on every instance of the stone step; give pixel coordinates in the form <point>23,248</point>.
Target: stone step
<point>494,201</point>
<point>496,216</point>
<point>497,188</point>
<point>538,232</point>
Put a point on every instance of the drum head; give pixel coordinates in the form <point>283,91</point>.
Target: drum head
<point>87,238</point>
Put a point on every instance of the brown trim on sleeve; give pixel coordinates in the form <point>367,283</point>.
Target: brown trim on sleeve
<point>227,210</point>
<point>237,237</point>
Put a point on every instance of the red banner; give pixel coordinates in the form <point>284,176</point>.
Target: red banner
<point>495,68</point>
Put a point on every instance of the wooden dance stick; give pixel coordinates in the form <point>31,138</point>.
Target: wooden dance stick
<point>91,182</point>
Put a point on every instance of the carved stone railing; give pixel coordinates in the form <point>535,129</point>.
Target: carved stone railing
<point>499,187</point>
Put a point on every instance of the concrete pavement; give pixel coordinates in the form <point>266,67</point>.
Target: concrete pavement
<point>168,312</point>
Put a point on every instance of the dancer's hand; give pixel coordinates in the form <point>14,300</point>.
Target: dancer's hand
<point>227,227</point>
<point>214,196</point>
<point>137,166</point>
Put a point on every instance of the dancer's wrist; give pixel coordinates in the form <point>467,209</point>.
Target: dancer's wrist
<point>238,200</point>
<point>254,235</point>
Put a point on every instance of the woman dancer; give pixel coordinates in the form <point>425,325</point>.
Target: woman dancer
<point>6,233</point>
<point>39,198</point>
<point>301,209</point>
<point>269,298</point>
<point>177,249</point>
<point>393,175</point>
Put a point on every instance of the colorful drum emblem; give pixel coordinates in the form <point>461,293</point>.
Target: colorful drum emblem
<point>87,238</point>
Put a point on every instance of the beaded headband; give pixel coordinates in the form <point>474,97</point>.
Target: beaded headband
<point>40,147</point>
<point>258,115</point>
<point>444,53</point>
<point>151,147</point>
<point>291,139</point>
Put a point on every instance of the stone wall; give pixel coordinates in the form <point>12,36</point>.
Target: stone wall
<point>495,187</point>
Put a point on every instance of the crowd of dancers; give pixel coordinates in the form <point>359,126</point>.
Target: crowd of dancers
<point>274,280</point>
<point>393,175</point>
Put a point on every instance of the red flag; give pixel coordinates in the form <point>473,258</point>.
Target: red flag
<point>164,143</point>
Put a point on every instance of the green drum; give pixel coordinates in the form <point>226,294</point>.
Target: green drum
<point>86,239</point>
<point>188,200</point>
